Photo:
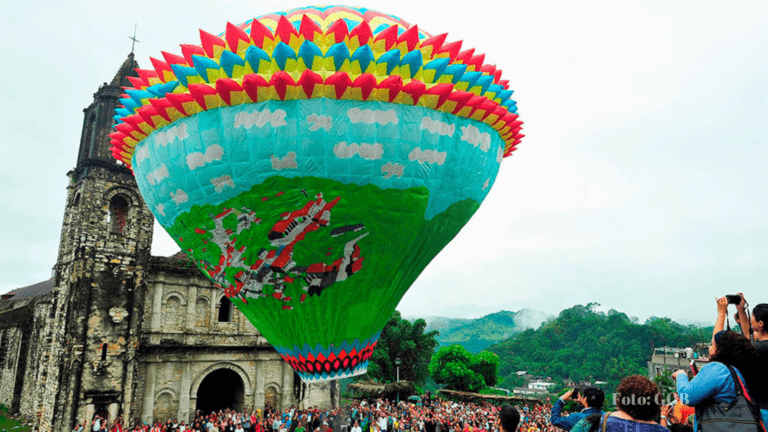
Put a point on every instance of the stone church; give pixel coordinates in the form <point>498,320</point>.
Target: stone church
<point>119,332</point>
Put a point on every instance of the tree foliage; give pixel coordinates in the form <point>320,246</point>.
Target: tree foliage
<point>405,340</point>
<point>486,364</point>
<point>584,344</point>
<point>460,370</point>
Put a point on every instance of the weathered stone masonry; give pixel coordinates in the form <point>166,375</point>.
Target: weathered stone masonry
<point>119,332</point>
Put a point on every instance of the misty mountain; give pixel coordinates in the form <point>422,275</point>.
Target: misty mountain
<point>477,334</point>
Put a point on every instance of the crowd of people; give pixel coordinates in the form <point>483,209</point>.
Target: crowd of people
<point>736,374</point>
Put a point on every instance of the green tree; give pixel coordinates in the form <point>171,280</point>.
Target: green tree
<point>405,340</point>
<point>452,366</point>
<point>486,364</point>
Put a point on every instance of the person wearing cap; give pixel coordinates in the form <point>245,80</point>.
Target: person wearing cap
<point>591,398</point>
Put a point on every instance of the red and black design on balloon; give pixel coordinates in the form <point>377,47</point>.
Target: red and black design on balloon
<point>334,364</point>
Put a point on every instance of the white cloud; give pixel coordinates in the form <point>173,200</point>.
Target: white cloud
<point>438,127</point>
<point>486,184</point>
<point>179,196</point>
<point>158,174</point>
<point>167,135</point>
<point>160,209</point>
<point>222,182</point>
<point>142,154</point>
<point>500,154</point>
<point>369,116</point>
<point>287,162</point>
<point>392,169</point>
<point>472,135</point>
<point>316,122</point>
<point>373,151</point>
<point>260,118</point>
<point>197,159</point>
<point>427,156</point>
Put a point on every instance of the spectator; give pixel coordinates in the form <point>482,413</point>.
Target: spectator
<point>714,382</point>
<point>591,398</point>
<point>508,419</point>
<point>638,401</point>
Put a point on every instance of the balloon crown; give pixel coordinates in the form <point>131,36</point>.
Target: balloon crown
<point>334,52</point>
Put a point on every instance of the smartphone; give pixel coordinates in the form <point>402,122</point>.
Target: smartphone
<point>575,393</point>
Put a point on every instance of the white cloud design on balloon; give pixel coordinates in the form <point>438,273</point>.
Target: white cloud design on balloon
<point>287,162</point>
<point>472,135</point>
<point>373,151</point>
<point>319,122</point>
<point>369,116</point>
<point>438,127</point>
<point>427,156</point>
<point>260,118</point>
<point>197,159</point>
<point>168,135</point>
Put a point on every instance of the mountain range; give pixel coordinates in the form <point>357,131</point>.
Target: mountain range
<point>479,333</point>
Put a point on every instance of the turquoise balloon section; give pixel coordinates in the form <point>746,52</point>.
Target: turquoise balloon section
<point>219,154</point>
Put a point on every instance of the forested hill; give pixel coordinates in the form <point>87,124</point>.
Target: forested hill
<point>584,344</point>
<point>477,334</point>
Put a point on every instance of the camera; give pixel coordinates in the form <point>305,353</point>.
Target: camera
<point>733,299</point>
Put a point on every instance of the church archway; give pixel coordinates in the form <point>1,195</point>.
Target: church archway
<point>221,389</point>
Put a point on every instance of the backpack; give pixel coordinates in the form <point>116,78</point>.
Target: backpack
<point>741,415</point>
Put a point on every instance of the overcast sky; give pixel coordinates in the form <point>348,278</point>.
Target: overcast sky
<point>640,185</point>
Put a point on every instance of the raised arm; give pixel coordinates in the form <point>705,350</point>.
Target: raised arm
<point>741,313</point>
<point>722,310</point>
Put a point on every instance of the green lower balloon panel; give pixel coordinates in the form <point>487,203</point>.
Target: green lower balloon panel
<point>318,266</point>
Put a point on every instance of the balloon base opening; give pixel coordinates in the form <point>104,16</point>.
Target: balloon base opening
<point>324,364</point>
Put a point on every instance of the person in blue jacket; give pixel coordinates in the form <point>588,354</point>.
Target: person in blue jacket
<point>714,380</point>
<point>591,398</point>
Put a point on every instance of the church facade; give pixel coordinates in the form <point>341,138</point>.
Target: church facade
<point>119,332</point>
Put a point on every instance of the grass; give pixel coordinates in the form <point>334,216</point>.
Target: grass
<point>11,423</point>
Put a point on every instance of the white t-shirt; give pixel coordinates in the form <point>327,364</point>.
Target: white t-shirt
<point>382,423</point>
<point>357,429</point>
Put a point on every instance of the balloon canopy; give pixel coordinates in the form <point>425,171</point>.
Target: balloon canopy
<point>312,163</point>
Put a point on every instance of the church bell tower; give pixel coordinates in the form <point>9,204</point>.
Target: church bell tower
<point>99,275</point>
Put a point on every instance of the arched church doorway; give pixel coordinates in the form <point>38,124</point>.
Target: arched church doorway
<point>221,389</point>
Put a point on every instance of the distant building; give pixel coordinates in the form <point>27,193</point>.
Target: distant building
<point>529,391</point>
<point>534,388</point>
<point>667,359</point>
<point>540,385</point>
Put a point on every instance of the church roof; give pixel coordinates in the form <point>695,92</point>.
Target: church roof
<point>35,290</point>
<point>128,68</point>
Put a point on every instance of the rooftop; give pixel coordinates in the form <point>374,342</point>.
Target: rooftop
<point>35,290</point>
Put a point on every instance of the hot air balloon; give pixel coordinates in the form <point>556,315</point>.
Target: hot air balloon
<point>312,163</point>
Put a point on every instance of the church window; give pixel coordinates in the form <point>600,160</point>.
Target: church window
<point>225,310</point>
<point>104,351</point>
<point>76,202</point>
<point>88,134</point>
<point>3,348</point>
<point>118,214</point>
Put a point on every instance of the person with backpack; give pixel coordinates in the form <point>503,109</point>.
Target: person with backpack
<point>731,372</point>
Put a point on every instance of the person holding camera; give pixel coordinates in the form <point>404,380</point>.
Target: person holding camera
<point>754,327</point>
<point>714,383</point>
<point>591,398</point>
<point>757,333</point>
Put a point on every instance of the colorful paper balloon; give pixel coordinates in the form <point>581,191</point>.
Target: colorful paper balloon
<point>312,163</point>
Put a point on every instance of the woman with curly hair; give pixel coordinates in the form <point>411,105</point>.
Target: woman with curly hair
<point>714,381</point>
<point>639,402</point>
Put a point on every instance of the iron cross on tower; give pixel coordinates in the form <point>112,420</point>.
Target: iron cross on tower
<point>133,38</point>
